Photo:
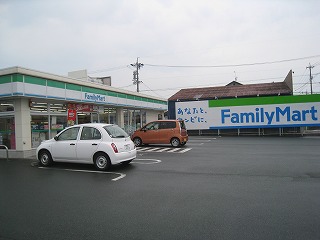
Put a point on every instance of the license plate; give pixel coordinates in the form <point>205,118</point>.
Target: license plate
<point>127,147</point>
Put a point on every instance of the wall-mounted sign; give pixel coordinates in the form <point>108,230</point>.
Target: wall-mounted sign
<point>81,107</point>
<point>92,97</point>
<point>263,112</point>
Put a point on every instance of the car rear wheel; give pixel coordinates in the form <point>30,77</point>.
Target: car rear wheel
<point>175,142</point>
<point>45,158</point>
<point>137,141</point>
<point>101,161</point>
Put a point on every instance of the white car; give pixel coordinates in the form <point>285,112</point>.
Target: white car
<point>95,143</point>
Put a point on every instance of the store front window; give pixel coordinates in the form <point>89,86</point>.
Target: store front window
<point>7,127</point>
<point>48,119</point>
<point>58,123</point>
<point>134,119</point>
<point>39,130</point>
<point>7,132</point>
<point>41,119</point>
<point>6,106</point>
<point>108,115</point>
<point>112,115</point>
<point>83,117</point>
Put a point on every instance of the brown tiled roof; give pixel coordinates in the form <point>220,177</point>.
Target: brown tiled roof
<point>231,91</point>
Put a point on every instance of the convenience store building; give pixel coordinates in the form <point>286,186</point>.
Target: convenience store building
<point>35,106</point>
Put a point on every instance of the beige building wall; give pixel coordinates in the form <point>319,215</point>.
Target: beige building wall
<point>153,115</point>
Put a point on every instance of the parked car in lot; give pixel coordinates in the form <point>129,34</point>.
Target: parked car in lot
<point>95,143</point>
<point>172,132</point>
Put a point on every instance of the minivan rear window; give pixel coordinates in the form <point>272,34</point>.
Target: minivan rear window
<point>182,125</point>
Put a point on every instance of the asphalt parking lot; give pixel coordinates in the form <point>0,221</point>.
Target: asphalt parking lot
<point>213,188</point>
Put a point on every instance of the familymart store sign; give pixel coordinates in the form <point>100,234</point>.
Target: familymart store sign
<point>260,112</point>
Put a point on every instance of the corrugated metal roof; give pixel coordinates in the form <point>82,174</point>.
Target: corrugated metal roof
<point>231,91</point>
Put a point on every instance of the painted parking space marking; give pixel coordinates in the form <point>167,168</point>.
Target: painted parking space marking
<point>144,148</point>
<point>163,149</point>
<point>185,150</point>
<point>152,149</point>
<point>146,161</point>
<point>199,142</point>
<point>202,140</point>
<point>174,150</point>
<point>121,175</point>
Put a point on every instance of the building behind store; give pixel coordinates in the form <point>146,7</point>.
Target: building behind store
<point>251,109</point>
<point>35,106</point>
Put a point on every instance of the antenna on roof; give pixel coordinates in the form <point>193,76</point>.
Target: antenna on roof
<point>235,76</point>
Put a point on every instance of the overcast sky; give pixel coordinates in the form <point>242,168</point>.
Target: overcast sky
<point>106,36</point>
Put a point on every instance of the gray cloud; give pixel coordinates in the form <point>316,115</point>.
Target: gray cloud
<point>61,36</point>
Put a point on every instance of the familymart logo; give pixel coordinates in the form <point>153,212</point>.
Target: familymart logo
<point>95,97</point>
<point>269,116</point>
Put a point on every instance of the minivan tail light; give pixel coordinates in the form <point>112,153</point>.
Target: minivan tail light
<point>114,147</point>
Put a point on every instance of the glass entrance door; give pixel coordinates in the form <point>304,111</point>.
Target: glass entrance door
<point>95,117</point>
<point>83,117</point>
<point>87,117</point>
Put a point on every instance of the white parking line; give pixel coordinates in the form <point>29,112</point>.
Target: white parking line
<point>151,161</point>
<point>163,149</point>
<point>174,150</point>
<point>185,150</point>
<point>202,139</point>
<point>144,149</point>
<point>152,150</point>
<point>122,175</point>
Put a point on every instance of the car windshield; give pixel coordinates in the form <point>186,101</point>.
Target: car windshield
<point>115,131</point>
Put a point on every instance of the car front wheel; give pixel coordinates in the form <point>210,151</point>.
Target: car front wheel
<point>101,161</point>
<point>137,141</point>
<point>45,158</point>
<point>175,142</point>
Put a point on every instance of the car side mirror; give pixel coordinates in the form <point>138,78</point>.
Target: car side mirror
<point>55,138</point>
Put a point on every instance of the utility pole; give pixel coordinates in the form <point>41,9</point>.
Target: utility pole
<point>136,73</point>
<point>311,77</point>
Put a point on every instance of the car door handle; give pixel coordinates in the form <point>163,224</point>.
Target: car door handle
<point>94,144</point>
<point>72,144</point>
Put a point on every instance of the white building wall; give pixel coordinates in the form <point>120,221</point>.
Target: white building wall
<point>5,89</point>
<point>22,124</point>
<point>120,117</point>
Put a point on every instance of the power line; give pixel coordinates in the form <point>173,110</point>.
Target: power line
<point>304,84</point>
<point>151,90</point>
<point>317,63</point>
<point>232,65</point>
<point>127,86</point>
<point>109,69</point>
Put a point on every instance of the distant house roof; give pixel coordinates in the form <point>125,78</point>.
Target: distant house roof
<point>235,89</point>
